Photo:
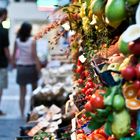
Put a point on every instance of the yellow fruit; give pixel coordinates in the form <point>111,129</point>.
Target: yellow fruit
<point>125,62</point>
<point>115,12</point>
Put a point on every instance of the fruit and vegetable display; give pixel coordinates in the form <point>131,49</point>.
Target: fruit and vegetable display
<point>105,50</point>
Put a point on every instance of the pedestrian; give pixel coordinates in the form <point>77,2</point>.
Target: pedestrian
<point>4,54</point>
<point>27,62</point>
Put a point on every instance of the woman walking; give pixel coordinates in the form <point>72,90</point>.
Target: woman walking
<point>27,62</point>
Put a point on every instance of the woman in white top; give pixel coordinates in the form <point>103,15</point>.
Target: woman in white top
<point>27,62</point>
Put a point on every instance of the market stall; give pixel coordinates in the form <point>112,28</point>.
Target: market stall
<point>106,73</point>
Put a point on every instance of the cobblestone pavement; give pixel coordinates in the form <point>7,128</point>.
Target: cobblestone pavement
<point>10,123</point>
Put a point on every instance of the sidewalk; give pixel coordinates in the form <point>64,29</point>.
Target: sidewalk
<point>10,123</point>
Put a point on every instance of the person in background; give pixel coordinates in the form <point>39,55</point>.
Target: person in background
<point>27,62</point>
<point>4,54</point>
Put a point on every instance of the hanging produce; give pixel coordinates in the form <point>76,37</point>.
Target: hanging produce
<point>105,49</point>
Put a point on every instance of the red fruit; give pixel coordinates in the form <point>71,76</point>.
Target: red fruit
<point>86,73</point>
<point>80,81</point>
<point>89,85</point>
<point>79,69</point>
<point>136,84</point>
<point>129,73</point>
<point>83,90</point>
<point>79,62</point>
<point>82,75</point>
<point>88,107</point>
<point>89,79</point>
<point>97,101</point>
<point>88,97</point>
<point>102,132</point>
<point>89,91</point>
<point>137,69</point>
<point>134,47</point>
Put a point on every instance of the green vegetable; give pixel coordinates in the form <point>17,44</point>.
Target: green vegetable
<point>108,100</point>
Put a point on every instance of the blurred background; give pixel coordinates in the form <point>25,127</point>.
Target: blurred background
<point>39,13</point>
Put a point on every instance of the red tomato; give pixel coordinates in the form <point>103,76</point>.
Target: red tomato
<point>137,84</point>
<point>89,91</point>
<point>98,137</point>
<point>137,71</point>
<point>89,79</point>
<point>90,85</point>
<point>83,90</point>
<point>97,101</point>
<point>88,97</point>
<point>80,81</point>
<point>79,62</point>
<point>82,75</point>
<point>79,69</point>
<point>129,73</point>
<point>86,73</point>
<point>88,107</point>
<point>102,132</point>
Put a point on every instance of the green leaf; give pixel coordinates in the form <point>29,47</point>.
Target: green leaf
<point>89,114</point>
<point>107,128</point>
<point>94,124</point>
<point>109,99</point>
<point>103,112</point>
<point>110,118</point>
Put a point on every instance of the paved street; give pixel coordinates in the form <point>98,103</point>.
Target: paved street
<point>10,123</point>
